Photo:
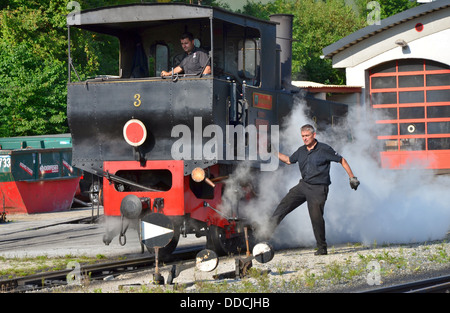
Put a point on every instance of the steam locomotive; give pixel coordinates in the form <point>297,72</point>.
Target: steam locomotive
<point>151,138</point>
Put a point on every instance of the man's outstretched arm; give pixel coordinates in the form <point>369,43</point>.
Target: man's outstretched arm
<point>283,158</point>
<point>354,182</point>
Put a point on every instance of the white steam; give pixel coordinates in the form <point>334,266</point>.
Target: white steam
<point>390,206</point>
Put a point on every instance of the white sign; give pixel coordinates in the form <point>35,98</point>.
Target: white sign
<point>5,161</point>
<point>150,231</point>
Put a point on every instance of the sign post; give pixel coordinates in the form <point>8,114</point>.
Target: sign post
<point>157,232</point>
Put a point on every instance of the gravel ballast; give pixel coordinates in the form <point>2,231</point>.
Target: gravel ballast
<point>346,268</point>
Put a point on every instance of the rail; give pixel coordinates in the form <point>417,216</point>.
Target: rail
<point>92,272</point>
<point>439,284</point>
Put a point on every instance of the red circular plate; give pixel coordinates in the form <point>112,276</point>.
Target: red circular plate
<point>134,132</point>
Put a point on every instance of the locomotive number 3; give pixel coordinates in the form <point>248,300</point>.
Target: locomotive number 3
<point>137,103</point>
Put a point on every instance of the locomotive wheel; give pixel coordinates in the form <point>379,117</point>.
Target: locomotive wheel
<point>216,240</point>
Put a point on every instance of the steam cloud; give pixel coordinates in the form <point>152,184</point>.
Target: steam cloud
<point>390,206</point>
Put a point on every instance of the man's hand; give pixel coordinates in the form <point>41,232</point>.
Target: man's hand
<point>354,182</point>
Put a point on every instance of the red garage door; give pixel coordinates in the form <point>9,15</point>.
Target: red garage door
<point>411,104</point>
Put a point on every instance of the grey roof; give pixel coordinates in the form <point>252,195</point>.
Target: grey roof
<point>143,12</point>
<point>386,23</point>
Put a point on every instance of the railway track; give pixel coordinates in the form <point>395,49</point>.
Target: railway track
<point>439,284</point>
<point>92,272</point>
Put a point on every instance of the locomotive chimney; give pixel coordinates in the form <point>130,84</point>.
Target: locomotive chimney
<point>284,41</point>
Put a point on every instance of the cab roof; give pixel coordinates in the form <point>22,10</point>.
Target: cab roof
<point>114,19</point>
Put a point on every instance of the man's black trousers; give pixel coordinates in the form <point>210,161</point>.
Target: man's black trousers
<point>315,196</point>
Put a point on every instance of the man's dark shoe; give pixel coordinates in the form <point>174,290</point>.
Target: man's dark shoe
<point>321,251</point>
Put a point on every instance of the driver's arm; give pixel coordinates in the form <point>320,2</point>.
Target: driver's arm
<point>176,70</point>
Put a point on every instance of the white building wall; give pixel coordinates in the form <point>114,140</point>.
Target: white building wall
<point>435,46</point>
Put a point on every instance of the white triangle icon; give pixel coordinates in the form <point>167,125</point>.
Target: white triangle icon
<point>151,230</point>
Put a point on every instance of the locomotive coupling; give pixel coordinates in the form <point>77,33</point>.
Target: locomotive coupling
<point>132,206</point>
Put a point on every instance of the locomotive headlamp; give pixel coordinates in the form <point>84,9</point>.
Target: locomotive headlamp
<point>134,132</point>
<point>198,175</point>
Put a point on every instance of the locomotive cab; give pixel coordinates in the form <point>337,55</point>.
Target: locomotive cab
<point>145,135</point>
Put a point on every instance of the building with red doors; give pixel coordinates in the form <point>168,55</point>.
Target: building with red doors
<point>403,64</point>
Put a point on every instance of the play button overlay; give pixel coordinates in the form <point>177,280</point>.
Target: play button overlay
<point>156,230</point>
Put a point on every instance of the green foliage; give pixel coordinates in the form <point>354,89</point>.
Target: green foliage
<point>33,64</point>
<point>32,68</point>
<point>316,25</point>
<point>319,23</point>
<point>392,7</point>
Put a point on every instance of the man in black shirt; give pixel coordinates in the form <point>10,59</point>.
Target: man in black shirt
<point>195,61</point>
<point>314,162</point>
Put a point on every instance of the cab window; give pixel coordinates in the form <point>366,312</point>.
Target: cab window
<point>247,58</point>
<point>161,62</point>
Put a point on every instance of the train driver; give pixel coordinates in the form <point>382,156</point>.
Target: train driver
<point>195,60</point>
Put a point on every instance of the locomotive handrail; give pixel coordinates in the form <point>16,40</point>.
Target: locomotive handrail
<point>204,67</point>
<point>142,79</point>
<point>176,76</point>
<point>118,179</point>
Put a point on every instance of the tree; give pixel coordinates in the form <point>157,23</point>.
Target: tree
<point>392,7</point>
<point>319,23</point>
<point>33,64</point>
<point>32,92</point>
<point>316,25</point>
